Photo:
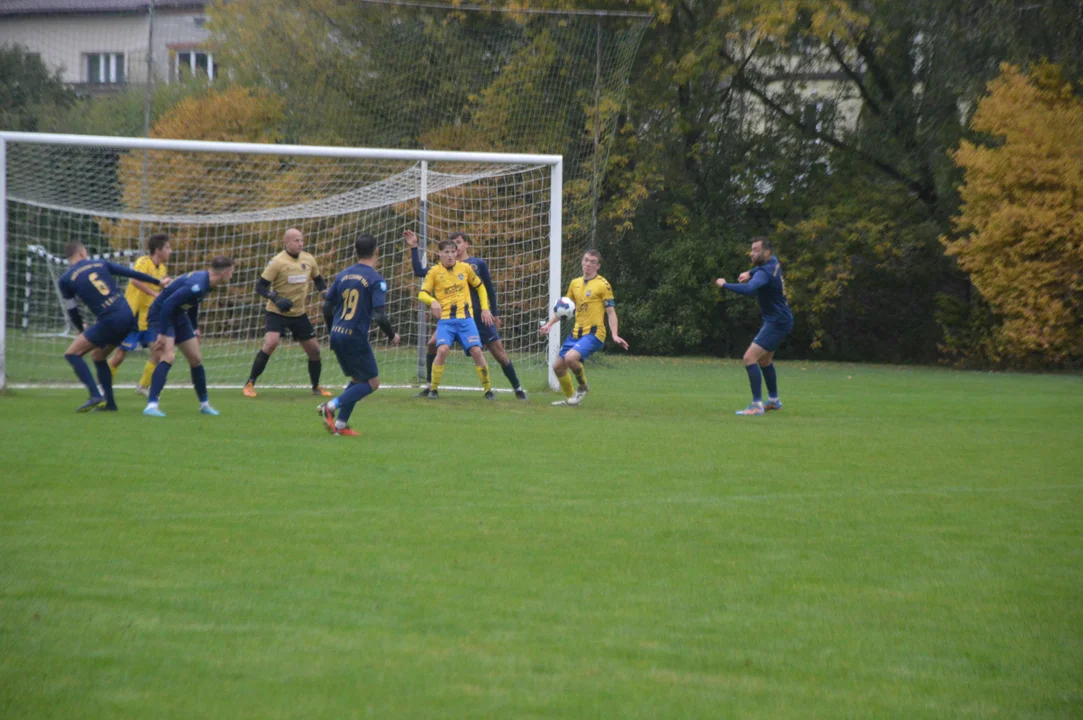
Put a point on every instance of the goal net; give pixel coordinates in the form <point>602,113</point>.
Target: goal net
<point>231,199</point>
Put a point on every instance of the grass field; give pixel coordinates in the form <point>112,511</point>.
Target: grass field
<point>895,543</point>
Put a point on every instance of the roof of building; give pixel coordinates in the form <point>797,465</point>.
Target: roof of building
<point>87,7</point>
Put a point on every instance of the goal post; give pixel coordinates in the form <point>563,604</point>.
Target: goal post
<point>238,199</point>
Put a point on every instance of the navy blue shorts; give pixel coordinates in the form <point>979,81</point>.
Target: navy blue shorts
<point>354,357</point>
<point>486,334</point>
<point>182,330</point>
<point>772,334</point>
<point>111,329</point>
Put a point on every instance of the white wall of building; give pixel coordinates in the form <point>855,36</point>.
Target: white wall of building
<point>63,41</point>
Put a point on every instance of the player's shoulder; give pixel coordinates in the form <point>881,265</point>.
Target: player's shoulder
<point>307,259</point>
<point>143,261</point>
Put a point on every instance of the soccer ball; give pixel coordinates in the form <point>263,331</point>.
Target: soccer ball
<point>564,308</point>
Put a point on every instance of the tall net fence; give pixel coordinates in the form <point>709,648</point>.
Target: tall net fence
<point>240,204</point>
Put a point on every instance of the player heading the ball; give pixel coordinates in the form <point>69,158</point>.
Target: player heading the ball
<point>174,320</point>
<point>357,297</point>
<point>594,302</point>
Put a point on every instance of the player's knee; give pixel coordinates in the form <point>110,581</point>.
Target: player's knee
<point>270,344</point>
<point>766,359</point>
<point>374,383</point>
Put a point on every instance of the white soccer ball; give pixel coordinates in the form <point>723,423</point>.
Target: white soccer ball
<point>564,308</point>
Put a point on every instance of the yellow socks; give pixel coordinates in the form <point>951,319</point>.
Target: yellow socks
<point>566,385</point>
<point>113,369</point>
<point>483,375</point>
<point>437,376</point>
<point>148,373</point>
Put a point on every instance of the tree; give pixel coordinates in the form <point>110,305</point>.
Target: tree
<point>31,98</point>
<point>1019,232</point>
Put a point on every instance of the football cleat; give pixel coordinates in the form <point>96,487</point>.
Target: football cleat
<point>208,410</point>
<point>92,404</point>
<point>249,390</point>
<point>581,391</point>
<point>753,409</point>
<point>328,416</point>
<point>153,411</point>
<point>489,395</point>
<point>347,432</point>
<point>320,391</point>
<point>423,394</point>
<point>433,395</point>
<point>520,394</point>
<point>570,402</point>
<point>144,391</point>
<point>775,404</point>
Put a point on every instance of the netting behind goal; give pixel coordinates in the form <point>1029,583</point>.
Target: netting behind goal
<point>240,203</point>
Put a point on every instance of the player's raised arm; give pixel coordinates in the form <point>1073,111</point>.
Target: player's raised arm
<point>420,270</point>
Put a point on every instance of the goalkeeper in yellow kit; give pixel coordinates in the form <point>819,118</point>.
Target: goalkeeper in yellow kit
<point>140,296</point>
<point>446,290</point>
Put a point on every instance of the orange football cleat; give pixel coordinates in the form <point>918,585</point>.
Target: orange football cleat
<point>249,390</point>
<point>321,391</point>
<point>348,432</point>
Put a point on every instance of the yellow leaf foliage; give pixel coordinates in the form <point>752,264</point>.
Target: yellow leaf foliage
<point>1019,233</point>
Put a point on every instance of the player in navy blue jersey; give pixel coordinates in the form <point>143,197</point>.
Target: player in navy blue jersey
<point>173,323</point>
<point>356,298</point>
<point>92,282</point>
<point>764,280</point>
<point>488,334</point>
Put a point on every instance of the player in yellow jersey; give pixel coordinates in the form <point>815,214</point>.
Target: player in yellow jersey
<point>139,296</point>
<point>285,282</point>
<point>446,291</point>
<point>593,298</point>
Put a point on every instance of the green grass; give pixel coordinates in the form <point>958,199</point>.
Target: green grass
<point>896,543</point>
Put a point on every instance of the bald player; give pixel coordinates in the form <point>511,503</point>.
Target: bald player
<point>285,284</point>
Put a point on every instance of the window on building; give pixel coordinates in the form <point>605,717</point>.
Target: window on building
<point>193,61</point>
<point>102,68</point>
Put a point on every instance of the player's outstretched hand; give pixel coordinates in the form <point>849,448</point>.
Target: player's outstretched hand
<point>720,282</point>
<point>487,317</point>
<point>545,328</point>
<point>411,238</point>
<point>396,340</point>
<point>283,304</point>
<point>744,277</point>
<point>620,341</point>
<point>164,282</point>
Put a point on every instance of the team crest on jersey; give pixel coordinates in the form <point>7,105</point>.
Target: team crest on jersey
<point>304,267</point>
<point>195,288</point>
<point>461,276</point>
<point>588,293</point>
<point>383,286</point>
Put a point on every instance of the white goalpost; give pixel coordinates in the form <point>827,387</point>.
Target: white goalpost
<point>237,199</point>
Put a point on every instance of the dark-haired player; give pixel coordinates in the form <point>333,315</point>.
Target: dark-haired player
<point>357,297</point>
<point>92,282</point>
<point>488,334</point>
<point>174,320</point>
<point>765,281</point>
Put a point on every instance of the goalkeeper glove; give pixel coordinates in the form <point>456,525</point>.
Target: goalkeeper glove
<point>283,304</point>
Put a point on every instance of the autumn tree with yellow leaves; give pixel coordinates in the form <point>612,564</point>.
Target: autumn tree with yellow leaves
<point>1019,232</point>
